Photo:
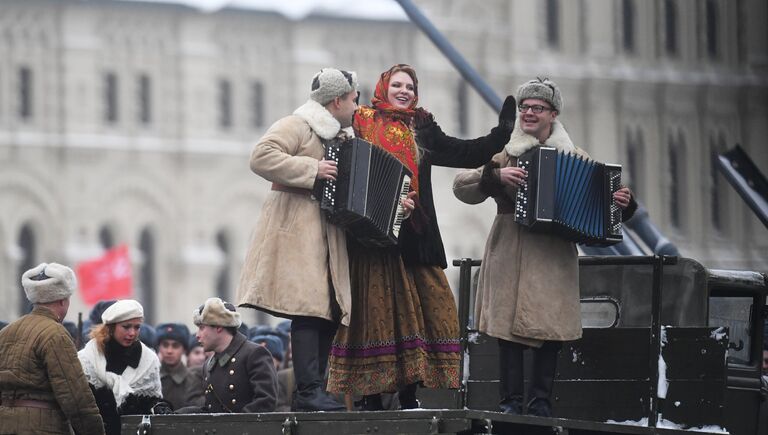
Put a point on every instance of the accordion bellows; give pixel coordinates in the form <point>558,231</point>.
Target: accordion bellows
<point>366,197</point>
<point>569,195</point>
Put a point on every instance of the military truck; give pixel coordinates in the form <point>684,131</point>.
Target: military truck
<point>668,346</point>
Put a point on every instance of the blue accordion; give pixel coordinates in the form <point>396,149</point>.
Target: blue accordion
<point>569,195</point>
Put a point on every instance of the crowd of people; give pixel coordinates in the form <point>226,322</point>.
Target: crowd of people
<point>362,323</point>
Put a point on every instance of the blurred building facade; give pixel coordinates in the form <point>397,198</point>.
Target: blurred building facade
<point>129,122</point>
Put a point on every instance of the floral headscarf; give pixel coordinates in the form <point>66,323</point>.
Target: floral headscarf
<point>389,127</point>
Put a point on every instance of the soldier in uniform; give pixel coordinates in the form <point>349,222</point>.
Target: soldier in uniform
<point>43,387</point>
<point>240,376</point>
<point>180,386</point>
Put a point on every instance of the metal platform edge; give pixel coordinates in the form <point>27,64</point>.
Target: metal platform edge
<point>421,421</point>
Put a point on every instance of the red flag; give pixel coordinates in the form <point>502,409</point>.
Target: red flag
<point>106,277</point>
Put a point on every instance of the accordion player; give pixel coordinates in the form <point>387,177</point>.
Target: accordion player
<point>569,195</point>
<point>366,197</point>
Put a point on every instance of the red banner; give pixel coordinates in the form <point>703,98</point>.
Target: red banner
<point>107,277</point>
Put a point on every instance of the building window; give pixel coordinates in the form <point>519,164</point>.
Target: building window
<point>633,177</point>
<point>223,282</point>
<point>225,103</point>
<point>147,274</point>
<point>145,99</point>
<point>711,13</point>
<point>628,25</point>
<point>717,189</point>
<point>28,245</point>
<point>257,104</point>
<point>25,93</point>
<point>670,27</point>
<point>110,97</point>
<point>553,24</point>
<point>462,107</point>
<point>106,239</point>
<point>365,96</point>
<point>676,181</point>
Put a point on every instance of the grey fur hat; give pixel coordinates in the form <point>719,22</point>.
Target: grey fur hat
<point>542,89</point>
<point>330,83</point>
<point>48,282</point>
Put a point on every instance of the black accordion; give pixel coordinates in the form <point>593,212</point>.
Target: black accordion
<point>366,197</point>
<point>569,195</point>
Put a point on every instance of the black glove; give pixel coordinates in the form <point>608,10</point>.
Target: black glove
<point>508,114</point>
<point>162,408</point>
<point>422,118</point>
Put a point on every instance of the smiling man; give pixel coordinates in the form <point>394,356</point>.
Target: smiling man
<point>180,386</point>
<point>528,290</point>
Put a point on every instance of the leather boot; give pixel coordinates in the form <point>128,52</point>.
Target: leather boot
<point>511,377</point>
<point>310,393</point>
<point>372,402</point>
<point>407,397</point>
<point>543,378</point>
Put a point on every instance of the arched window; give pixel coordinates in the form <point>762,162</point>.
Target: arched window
<point>147,274</point>
<point>225,103</point>
<point>462,109</point>
<point>670,27</point>
<point>223,281</point>
<point>712,28</point>
<point>144,96</point>
<point>25,93</point>
<point>257,104</point>
<point>634,168</point>
<point>677,189</point>
<point>106,239</point>
<point>27,243</point>
<point>110,95</point>
<point>717,188</point>
<point>628,25</point>
<point>553,23</point>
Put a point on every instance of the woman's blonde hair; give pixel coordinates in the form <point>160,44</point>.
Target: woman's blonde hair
<point>102,333</point>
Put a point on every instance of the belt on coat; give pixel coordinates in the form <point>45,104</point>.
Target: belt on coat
<point>289,189</point>
<point>28,403</point>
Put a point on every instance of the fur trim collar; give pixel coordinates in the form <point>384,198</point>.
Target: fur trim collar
<point>521,142</point>
<point>319,119</point>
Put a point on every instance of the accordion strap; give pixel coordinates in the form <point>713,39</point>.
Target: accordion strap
<point>289,189</point>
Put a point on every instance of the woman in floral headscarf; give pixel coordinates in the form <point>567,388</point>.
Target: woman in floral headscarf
<point>404,327</point>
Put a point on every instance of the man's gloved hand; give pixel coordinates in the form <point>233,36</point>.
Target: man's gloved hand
<point>508,114</point>
<point>422,118</point>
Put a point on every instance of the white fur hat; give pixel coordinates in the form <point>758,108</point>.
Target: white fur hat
<point>216,312</point>
<point>121,311</point>
<point>48,282</point>
<point>330,83</point>
<point>541,89</point>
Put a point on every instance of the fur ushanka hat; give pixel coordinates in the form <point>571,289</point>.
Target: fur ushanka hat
<point>48,282</point>
<point>330,83</point>
<point>216,312</point>
<point>542,89</point>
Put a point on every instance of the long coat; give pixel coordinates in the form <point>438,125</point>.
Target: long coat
<point>240,379</point>
<point>424,246</point>
<point>39,362</point>
<point>528,289</point>
<point>296,263</point>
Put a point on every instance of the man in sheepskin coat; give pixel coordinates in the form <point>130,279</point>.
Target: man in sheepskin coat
<point>296,266</point>
<point>42,385</point>
<point>528,290</point>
